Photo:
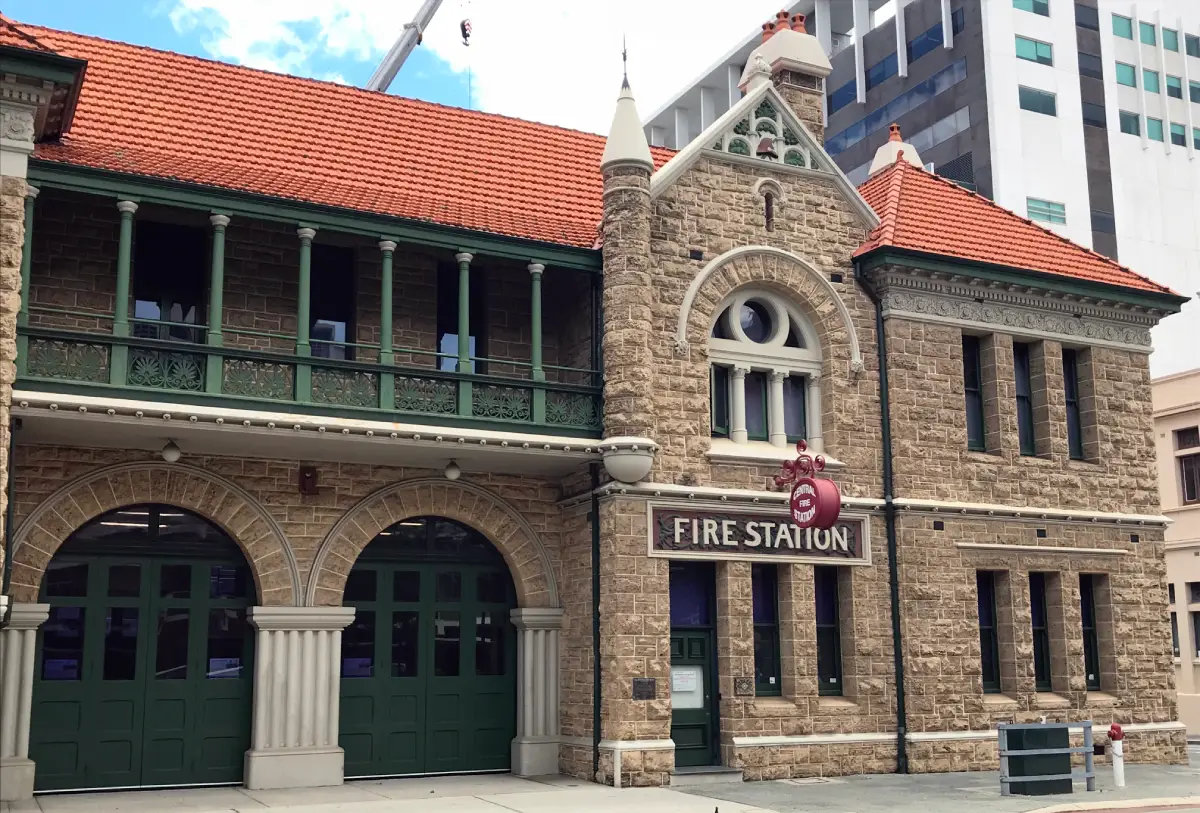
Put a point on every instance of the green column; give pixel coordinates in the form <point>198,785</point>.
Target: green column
<point>387,381</point>
<point>465,400</point>
<point>304,315</point>
<point>215,363</point>
<point>535,351</point>
<point>119,361</point>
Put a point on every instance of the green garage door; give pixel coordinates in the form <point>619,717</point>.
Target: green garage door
<point>428,666</point>
<point>143,674</point>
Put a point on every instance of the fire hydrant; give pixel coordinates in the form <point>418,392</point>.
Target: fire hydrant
<point>1117,737</point>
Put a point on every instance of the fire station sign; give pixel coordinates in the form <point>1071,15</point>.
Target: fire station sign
<point>692,531</point>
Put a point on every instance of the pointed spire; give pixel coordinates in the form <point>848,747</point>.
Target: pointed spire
<point>626,142</point>
<point>624,63</point>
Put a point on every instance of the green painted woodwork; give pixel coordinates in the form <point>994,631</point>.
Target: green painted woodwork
<point>429,663</point>
<point>464,314</point>
<point>119,356</point>
<point>194,196</point>
<point>304,294</point>
<point>216,286</point>
<point>79,362</point>
<point>695,730</point>
<point>385,308</point>
<point>26,262</point>
<point>143,672</point>
<point>538,374</point>
<point>1019,276</point>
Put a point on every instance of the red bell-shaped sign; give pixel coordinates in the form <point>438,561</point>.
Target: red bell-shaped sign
<point>815,503</point>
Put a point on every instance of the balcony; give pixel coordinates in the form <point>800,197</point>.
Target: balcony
<point>309,322</point>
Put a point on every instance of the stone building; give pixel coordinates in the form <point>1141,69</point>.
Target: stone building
<point>359,436</point>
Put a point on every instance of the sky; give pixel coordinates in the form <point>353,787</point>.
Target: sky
<point>555,61</point>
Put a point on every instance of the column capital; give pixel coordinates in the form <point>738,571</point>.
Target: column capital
<point>537,618</point>
<point>740,371</point>
<point>777,376</point>
<point>126,206</point>
<point>464,257</point>
<point>31,191</point>
<point>306,233</point>
<point>387,245</point>
<point>301,618</point>
<point>536,268</point>
<point>27,616</point>
<point>219,221</point>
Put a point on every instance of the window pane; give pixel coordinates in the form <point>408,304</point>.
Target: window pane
<point>492,587</point>
<point>120,643</point>
<point>1148,33</point>
<point>358,646</point>
<point>1095,115</point>
<point>1091,65</point>
<point>827,595</point>
<point>406,585</point>
<point>1175,635</point>
<point>489,644</point>
<point>1122,27</point>
<point>360,586</point>
<point>1192,44</point>
<point>1178,135</point>
<point>1150,80</point>
<point>972,386</point>
<point>689,596</point>
<point>1126,75</point>
<point>62,644</point>
<point>756,406</point>
<point>124,581</point>
<point>1037,101</point>
<point>1194,91</point>
<point>1174,87</point>
<point>1189,468</point>
<point>720,401</point>
<point>171,647</point>
<point>406,632</point>
<point>794,415</point>
<point>228,582</point>
<point>1130,123</point>
<point>1087,17</point>
<point>1154,129</point>
<point>175,581</point>
<point>763,584</point>
<point>448,587</point>
<point>66,579</point>
<point>446,643</point>
<point>1170,39</point>
<point>227,633</point>
<point>1187,438</point>
<point>1046,211</point>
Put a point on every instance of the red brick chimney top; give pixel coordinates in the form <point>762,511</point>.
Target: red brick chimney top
<point>780,23</point>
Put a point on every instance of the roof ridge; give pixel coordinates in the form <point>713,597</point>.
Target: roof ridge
<point>1061,238</point>
<point>19,30</point>
<point>327,83</point>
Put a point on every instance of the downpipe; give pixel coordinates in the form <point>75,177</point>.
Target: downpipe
<point>889,516</point>
<point>594,518</point>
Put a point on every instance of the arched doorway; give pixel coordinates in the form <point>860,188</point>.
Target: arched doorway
<point>429,665</point>
<point>143,673</point>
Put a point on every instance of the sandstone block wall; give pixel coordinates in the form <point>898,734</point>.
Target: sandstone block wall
<point>12,236</point>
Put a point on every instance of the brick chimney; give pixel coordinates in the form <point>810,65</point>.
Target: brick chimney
<point>797,66</point>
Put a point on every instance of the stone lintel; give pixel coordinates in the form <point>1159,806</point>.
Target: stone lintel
<point>301,618</point>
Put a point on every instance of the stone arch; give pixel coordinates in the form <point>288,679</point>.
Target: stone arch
<point>227,505</point>
<point>464,502</point>
<point>788,273</point>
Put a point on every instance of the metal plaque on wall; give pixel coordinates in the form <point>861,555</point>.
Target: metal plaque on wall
<point>645,689</point>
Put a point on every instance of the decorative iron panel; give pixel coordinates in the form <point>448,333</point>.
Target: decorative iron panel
<point>258,379</point>
<point>502,403</point>
<point>345,387</point>
<point>166,370</point>
<point>73,361</point>
<point>572,409</point>
<point>429,395</point>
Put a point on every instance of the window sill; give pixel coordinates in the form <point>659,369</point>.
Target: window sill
<point>838,704</point>
<point>1050,700</point>
<point>1097,698</point>
<point>724,450</point>
<point>998,699</point>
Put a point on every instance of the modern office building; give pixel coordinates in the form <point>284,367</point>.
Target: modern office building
<point>1083,116</point>
<point>1176,401</point>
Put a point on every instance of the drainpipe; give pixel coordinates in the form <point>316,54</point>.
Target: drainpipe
<point>594,516</point>
<point>889,515</point>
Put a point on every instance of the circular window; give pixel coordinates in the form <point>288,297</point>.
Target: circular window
<point>755,322</point>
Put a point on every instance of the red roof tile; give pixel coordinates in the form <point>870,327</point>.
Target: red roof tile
<point>171,116</point>
<point>924,212</point>
<point>15,36</point>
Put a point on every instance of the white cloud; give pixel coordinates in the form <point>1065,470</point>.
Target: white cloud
<point>546,60</point>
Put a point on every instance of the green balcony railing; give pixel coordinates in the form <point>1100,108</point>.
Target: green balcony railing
<point>72,360</point>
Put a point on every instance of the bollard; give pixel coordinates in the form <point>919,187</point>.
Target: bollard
<point>1117,736</point>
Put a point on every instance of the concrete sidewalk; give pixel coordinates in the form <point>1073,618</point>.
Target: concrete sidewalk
<point>1149,788</point>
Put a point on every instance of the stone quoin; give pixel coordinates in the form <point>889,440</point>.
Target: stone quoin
<point>455,447</point>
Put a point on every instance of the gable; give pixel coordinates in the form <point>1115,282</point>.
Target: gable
<point>761,114</point>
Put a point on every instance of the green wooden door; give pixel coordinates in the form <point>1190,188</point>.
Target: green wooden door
<point>694,714</point>
<point>143,669</point>
<point>428,665</point>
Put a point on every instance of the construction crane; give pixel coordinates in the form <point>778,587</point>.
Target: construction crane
<point>411,37</point>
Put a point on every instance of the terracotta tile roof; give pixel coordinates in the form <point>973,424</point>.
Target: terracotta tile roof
<point>924,212</point>
<point>178,117</point>
<point>15,36</point>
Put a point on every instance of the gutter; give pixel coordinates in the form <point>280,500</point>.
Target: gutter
<point>889,509</point>
<point>594,518</point>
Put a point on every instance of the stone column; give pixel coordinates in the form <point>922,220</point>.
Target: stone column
<point>18,641</point>
<point>737,392</point>
<point>816,436</point>
<point>297,683</point>
<point>535,749</point>
<point>776,420</point>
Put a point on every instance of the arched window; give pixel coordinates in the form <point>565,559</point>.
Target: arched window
<point>766,369</point>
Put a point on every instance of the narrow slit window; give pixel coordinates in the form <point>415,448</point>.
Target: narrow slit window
<point>769,210</point>
<point>989,639</point>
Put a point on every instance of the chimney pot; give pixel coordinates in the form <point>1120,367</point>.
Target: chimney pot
<point>768,30</point>
<point>781,21</point>
<point>798,24</point>
<point>894,130</point>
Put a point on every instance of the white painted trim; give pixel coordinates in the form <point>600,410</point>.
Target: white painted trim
<point>758,452</point>
<point>31,402</point>
<point>1145,728</point>
<point>300,618</point>
<point>1027,512</point>
<point>717,263</point>
<point>1043,549</point>
<point>943,736</point>
<point>813,739</point>
<point>670,172</point>
<point>636,745</point>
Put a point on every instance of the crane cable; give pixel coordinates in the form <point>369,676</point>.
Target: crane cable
<point>464,28</point>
